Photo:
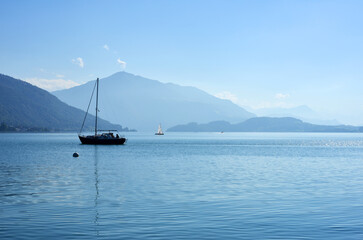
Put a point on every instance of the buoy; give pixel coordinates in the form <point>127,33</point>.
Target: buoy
<point>75,154</point>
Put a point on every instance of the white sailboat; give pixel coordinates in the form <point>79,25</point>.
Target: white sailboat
<point>160,131</point>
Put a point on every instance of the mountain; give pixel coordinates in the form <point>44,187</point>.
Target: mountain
<point>143,103</point>
<point>25,106</point>
<point>302,112</point>
<point>263,124</point>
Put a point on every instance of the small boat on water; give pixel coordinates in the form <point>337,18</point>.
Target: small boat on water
<point>160,131</point>
<point>100,137</point>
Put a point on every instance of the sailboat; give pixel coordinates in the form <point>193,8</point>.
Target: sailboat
<point>160,131</point>
<point>104,137</point>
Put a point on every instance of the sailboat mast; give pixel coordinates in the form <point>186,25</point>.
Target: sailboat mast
<point>96,108</point>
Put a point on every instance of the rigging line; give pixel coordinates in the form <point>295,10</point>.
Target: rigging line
<point>85,116</point>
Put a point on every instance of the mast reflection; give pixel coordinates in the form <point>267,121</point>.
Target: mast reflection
<point>97,190</point>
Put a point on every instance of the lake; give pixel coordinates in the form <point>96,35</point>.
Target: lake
<point>183,186</point>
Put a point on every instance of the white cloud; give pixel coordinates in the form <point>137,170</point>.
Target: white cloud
<point>281,96</point>
<point>228,96</point>
<point>106,47</point>
<point>122,63</point>
<point>49,73</point>
<point>51,84</point>
<point>279,101</point>
<point>78,61</point>
<point>265,104</point>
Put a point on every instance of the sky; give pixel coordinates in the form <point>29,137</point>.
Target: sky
<point>260,54</point>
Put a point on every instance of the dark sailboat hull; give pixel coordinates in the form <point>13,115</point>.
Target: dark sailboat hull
<point>101,141</point>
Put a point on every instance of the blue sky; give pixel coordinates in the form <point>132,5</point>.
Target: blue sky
<point>256,53</point>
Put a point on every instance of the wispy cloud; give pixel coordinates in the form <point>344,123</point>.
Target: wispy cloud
<point>78,61</point>
<point>51,84</point>
<point>49,74</point>
<point>281,96</point>
<point>228,96</point>
<point>122,63</point>
<point>279,101</point>
<point>106,47</point>
<point>277,104</point>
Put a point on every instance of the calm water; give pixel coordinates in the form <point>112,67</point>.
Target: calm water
<point>183,186</point>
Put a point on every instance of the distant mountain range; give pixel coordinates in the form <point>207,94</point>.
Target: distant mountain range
<point>139,103</point>
<point>302,112</point>
<point>263,124</point>
<point>142,103</point>
<point>24,106</point>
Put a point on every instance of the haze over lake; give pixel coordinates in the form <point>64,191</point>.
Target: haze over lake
<point>183,186</point>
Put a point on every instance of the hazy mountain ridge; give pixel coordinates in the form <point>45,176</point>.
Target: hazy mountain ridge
<point>263,124</point>
<point>302,112</point>
<point>25,106</point>
<point>143,103</point>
